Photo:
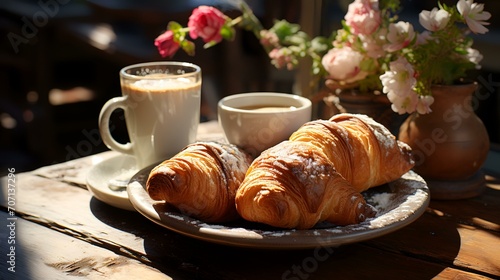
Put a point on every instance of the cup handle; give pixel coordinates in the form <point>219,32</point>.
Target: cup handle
<point>104,116</point>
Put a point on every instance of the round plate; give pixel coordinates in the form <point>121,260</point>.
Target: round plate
<point>120,168</point>
<point>398,203</point>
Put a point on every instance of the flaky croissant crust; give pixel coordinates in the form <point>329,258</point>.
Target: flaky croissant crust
<point>363,151</point>
<point>201,180</point>
<point>294,185</point>
<point>319,174</point>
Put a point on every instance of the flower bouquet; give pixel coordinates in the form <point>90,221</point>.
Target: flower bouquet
<point>373,51</point>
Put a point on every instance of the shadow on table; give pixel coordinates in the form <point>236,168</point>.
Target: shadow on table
<point>416,251</point>
<point>173,253</point>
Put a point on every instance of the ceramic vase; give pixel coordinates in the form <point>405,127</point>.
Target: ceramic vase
<point>450,144</point>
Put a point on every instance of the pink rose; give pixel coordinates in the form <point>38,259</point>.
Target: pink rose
<point>206,22</point>
<point>344,64</point>
<point>166,44</point>
<point>363,17</point>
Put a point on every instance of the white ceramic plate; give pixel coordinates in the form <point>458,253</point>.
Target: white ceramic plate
<point>398,203</point>
<point>120,168</point>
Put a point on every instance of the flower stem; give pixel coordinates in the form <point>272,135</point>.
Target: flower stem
<point>249,20</point>
<point>236,21</point>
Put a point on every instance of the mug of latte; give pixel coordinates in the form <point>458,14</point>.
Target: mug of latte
<point>161,102</point>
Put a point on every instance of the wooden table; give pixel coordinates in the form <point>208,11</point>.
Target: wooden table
<point>58,230</point>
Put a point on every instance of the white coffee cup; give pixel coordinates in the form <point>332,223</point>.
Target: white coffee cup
<point>256,121</point>
<point>161,102</point>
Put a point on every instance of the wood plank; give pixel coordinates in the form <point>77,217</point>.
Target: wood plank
<point>69,258</point>
<point>443,235</point>
<point>64,207</point>
<point>472,211</point>
<point>71,210</point>
<point>447,240</point>
<point>464,233</point>
<point>74,171</point>
<point>479,250</point>
<point>451,273</point>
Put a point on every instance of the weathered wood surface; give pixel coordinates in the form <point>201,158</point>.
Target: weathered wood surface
<point>63,229</point>
<point>42,253</point>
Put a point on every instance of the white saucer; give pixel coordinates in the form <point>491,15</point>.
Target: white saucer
<point>122,168</point>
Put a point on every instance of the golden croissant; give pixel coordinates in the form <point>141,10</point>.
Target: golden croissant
<point>294,185</point>
<point>201,180</point>
<point>363,151</point>
<point>318,175</point>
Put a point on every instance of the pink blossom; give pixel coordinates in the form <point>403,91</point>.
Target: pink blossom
<point>206,22</point>
<point>269,38</point>
<point>424,37</point>
<point>363,16</point>
<point>475,57</point>
<point>344,64</point>
<point>281,58</point>
<point>474,15</point>
<point>405,102</point>
<point>424,104</point>
<point>434,20</point>
<point>373,45</point>
<point>399,83</point>
<point>166,44</point>
<point>400,36</point>
<point>400,77</point>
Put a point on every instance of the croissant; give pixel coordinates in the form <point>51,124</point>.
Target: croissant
<point>319,174</point>
<point>201,180</point>
<point>363,151</point>
<point>294,185</point>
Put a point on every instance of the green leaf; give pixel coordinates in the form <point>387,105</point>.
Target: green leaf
<point>368,65</point>
<point>320,45</point>
<point>189,47</point>
<point>174,26</point>
<point>390,5</point>
<point>283,29</point>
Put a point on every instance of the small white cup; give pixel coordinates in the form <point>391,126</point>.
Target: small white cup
<point>161,101</point>
<point>259,120</point>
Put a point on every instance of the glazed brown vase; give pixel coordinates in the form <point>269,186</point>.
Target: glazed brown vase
<point>450,144</point>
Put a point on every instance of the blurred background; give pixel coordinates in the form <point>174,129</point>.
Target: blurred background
<point>59,63</point>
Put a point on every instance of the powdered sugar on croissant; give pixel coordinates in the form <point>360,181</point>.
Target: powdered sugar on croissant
<point>294,185</point>
<point>319,174</point>
<point>363,151</point>
<point>201,180</point>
